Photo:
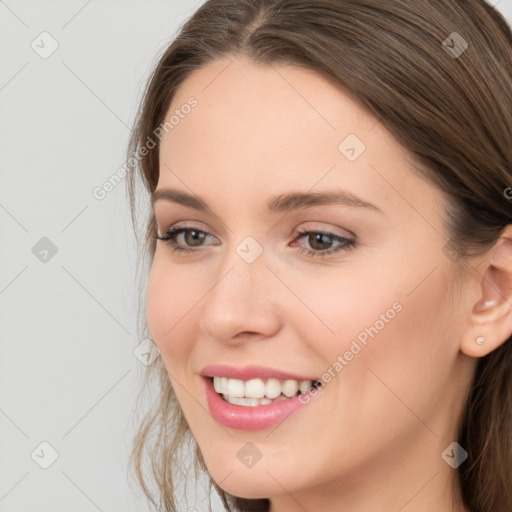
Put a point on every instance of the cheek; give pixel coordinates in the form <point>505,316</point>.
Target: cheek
<point>399,330</point>
<point>343,308</point>
<point>396,308</point>
<point>405,360</point>
<point>170,308</point>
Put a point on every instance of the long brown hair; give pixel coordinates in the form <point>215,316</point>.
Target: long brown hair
<point>438,75</point>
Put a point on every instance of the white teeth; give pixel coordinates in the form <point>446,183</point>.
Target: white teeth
<point>258,392</point>
<point>304,386</point>
<point>255,388</point>
<point>236,388</point>
<point>272,388</point>
<point>248,402</point>
<point>290,388</point>
<point>252,402</point>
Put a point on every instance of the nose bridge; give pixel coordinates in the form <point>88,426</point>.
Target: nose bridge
<point>245,270</point>
<point>241,299</point>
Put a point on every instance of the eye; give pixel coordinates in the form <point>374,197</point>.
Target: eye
<point>318,240</point>
<point>321,242</point>
<point>193,238</point>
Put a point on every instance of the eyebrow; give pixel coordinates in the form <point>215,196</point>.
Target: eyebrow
<point>277,204</point>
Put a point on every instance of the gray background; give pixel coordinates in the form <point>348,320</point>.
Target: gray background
<point>68,373</point>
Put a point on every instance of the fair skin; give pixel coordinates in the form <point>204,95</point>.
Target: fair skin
<point>372,439</point>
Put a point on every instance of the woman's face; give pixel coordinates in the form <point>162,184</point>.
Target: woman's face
<point>373,302</point>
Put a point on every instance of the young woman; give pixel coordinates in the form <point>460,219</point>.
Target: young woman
<point>330,241</point>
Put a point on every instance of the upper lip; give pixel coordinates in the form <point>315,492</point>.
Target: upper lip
<point>250,372</point>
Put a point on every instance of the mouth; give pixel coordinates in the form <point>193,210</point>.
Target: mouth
<point>256,392</point>
<point>256,397</point>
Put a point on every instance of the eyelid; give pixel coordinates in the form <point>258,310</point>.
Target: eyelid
<point>181,225</point>
<point>325,227</point>
<point>166,217</point>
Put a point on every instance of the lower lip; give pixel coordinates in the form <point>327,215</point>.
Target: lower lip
<point>246,417</point>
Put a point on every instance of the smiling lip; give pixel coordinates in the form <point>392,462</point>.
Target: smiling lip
<point>250,372</point>
<point>247,417</point>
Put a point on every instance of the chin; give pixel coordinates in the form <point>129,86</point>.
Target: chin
<point>242,482</point>
<point>248,490</point>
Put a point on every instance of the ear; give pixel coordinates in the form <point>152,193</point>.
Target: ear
<point>491,317</point>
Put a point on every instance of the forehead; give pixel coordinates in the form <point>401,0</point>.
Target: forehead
<point>237,98</point>
<point>264,128</point>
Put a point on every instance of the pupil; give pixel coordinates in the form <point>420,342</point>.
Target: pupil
<point>320,238</point>
<point>194,236</point>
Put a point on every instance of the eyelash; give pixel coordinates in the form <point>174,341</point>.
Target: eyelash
<point>346,244</point>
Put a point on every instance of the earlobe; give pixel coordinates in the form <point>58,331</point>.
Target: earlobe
<point>491,316</point>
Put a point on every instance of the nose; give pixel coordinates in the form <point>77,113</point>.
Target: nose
<point>243,302</point>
